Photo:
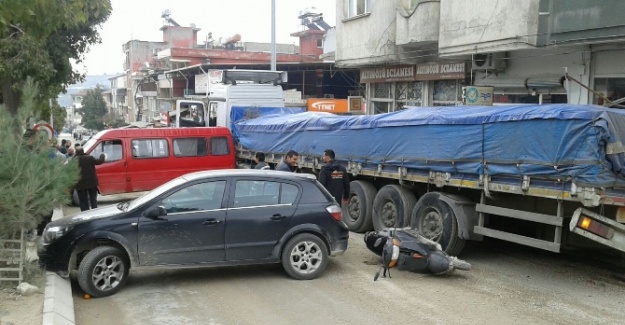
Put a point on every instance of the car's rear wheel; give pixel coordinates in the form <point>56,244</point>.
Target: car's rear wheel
<point>103,271</point>
<point>305,257</point>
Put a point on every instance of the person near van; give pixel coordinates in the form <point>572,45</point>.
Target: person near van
<point>333,176</point>
<point>87,186</point>
<point>70,152</point>
<point>62,148</point>
<point>259,158</point>
<point>289,164</point>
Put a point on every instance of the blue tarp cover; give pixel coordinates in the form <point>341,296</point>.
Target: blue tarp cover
<point>582,143</point>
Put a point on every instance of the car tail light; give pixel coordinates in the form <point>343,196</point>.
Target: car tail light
<point>335,211</point>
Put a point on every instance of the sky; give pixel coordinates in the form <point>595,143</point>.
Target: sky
<point>141,20</point>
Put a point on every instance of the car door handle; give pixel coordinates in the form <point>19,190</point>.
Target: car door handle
<point>210,222</point>
<point>277,217</point>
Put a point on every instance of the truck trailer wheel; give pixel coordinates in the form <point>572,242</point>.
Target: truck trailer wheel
<point>392,207</point>
<point>435,220</point>
<point>359,208</point>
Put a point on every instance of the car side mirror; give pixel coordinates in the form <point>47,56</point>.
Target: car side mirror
<point>156,212</point>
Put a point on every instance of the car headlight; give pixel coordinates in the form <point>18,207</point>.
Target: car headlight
<point>53,233</point>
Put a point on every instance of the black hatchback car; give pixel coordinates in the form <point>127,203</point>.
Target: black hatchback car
<point>211,218</point>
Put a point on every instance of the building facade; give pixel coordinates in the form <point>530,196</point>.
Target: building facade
<point>423,52</point>
<point>158,73</point>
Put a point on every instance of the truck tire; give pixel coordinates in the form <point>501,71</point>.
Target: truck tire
<point>103,271</point>
<point>435,220</point>
<point>359,207</point>
<point>392,207</point>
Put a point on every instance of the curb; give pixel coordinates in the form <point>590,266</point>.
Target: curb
<point>58,303</point>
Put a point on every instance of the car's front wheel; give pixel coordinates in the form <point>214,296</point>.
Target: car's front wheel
<point>103,271</point>
<point>305,257</point>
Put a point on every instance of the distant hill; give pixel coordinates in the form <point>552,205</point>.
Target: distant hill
<point>65,100</point>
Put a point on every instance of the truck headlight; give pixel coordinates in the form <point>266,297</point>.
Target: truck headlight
<point>53,233</point>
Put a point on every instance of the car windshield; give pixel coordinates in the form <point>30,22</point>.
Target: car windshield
<point>89,143</point>
<point>156,192</point>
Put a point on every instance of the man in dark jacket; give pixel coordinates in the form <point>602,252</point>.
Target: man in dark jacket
<point>333,176</point>
<point>87,186</point>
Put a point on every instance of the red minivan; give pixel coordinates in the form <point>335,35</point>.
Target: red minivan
<point>142,159</point>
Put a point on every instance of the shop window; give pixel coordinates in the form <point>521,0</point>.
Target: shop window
<point>381,107</point>
<point>515,99</point>
<point>382,90</point>
<point>612,88</point>
<point>448,92</point>
<point>408,94</point>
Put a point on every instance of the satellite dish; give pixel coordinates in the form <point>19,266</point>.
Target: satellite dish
<point>166,13</point>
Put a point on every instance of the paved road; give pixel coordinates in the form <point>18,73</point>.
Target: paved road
<point>508,284</point>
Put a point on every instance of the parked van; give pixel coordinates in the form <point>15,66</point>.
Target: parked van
<point>142,159</point>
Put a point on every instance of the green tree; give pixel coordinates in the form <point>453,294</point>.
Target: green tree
<point>93,110</point>
<point>38,38</point>
<point>32,181</point>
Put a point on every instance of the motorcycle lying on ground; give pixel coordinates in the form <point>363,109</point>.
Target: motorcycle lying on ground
<point>408,250</point>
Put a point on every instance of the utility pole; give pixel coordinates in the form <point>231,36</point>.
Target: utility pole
<point>273,35</point>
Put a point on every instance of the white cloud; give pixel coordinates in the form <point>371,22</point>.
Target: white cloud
<point>141,19</point>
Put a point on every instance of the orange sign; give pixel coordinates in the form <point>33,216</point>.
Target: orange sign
<point>329,105</point>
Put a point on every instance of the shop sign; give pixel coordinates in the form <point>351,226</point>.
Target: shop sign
<point>327,105</point>
<point>388,74</point>
<point>478,96</point>
<point>440,71</point>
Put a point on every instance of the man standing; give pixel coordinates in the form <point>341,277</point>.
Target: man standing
<point>62,148</point>
<point>333,176</point>
<point>260,161</point>
<point>87,186</point>
<point>289,164</point>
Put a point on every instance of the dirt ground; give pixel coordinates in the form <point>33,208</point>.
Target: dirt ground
<point>16,309</point>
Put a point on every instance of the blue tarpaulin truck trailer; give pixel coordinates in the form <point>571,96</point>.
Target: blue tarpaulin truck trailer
<point>546,176</point>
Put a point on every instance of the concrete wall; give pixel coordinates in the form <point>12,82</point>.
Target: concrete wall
<point>480,26</point>
<point>418,25</point>
<point>367,39</point>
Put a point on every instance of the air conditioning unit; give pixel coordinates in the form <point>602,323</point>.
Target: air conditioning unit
<point>489,61</point>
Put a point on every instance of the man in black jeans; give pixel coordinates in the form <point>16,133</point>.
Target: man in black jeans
<point>87,186</point>
<point>333,176</point>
